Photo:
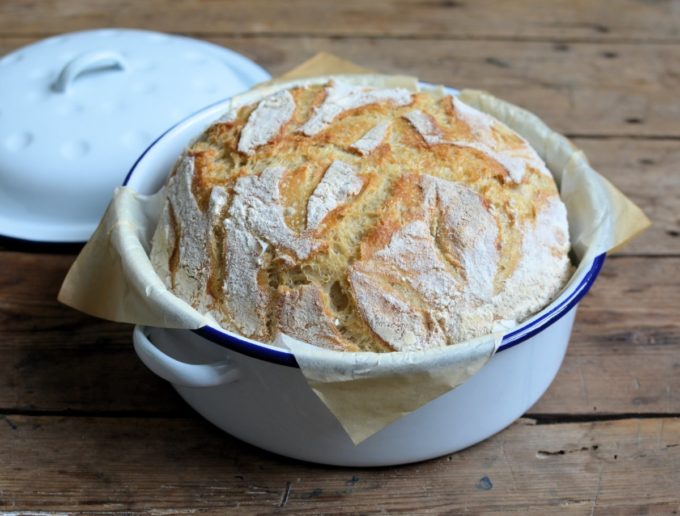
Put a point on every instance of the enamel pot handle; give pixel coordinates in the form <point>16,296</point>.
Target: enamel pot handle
<point>178,372</point>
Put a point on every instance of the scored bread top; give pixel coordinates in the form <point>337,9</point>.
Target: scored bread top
<point>362,218</point>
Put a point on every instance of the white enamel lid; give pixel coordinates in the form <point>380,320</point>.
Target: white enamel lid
<point>78,109</point>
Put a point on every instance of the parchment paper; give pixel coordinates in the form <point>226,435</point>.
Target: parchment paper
<point>113,278</point>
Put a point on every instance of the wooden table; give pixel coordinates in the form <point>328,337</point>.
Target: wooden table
<point>86,428</point>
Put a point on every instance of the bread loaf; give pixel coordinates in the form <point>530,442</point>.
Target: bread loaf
<point>362,218</point>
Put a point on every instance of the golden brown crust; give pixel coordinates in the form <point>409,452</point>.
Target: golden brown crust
<point>355,171</point>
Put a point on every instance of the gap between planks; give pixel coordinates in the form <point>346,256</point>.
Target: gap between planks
<point>389,36</point>
<point>184,413</point>
<point>536,418</point>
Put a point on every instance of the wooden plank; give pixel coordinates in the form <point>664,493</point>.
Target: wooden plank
<point>647,172</point>
<point>624,356</point>
<point>577,89</point>
<point>186,465</point>
<point>581,89</point>
<point>54,358</point>
<point>532,19</point>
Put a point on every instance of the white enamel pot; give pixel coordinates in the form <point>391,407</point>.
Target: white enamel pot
<point>257,393</point>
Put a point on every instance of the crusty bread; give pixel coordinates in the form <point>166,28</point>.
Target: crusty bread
<point>362,218</point>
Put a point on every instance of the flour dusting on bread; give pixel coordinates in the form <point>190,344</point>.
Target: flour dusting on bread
<point>426,126</point>
<point>448,272</point>
<point>372,139</point>
<point>362,218</point>
<point>341,97</point>
<point>303,311</point>
<point>192,274</point>
<point>257,207</point>
<point>265,123</point>
<point>339,184</point>
<point>514,159</point>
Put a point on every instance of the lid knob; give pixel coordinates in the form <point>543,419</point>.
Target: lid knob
<point>86,63</point>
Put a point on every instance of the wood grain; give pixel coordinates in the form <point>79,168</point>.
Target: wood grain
<point>648,172</point>
<point>459,19</point>
<point>85,428</point>
<point>579,89</point>
<point>624,355</point>
<point>54,358</point>
<point>124,464</point>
